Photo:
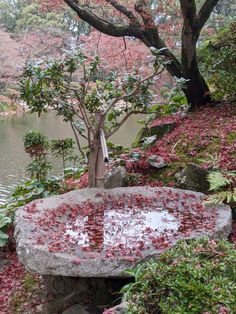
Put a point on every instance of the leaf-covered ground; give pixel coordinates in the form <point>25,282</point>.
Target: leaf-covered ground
<point>20,291</point>
<point>206,137</point>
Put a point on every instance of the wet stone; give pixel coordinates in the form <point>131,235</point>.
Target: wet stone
<point>96,233</point>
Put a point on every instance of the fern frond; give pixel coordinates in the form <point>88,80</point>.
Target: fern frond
<point>220,197</point>
<point>217,180</point>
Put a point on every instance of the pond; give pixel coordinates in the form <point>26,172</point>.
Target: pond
<point>13,159</point>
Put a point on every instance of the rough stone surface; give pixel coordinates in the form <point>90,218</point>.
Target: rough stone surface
<point>36,257</point>
<point>157,162</point>
<point>119,309</point>
<point>77,309</point>
<point>193,178</point>
<point>115,178</point>
<point>3,263</point>
<point>159,131</point>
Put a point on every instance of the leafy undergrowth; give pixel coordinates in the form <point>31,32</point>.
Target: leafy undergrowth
<point>203,137</point>
<point>194,277</point>
<point>20,291</point>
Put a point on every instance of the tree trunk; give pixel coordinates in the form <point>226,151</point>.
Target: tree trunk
<point>96,165</point>
<point>197,91</point>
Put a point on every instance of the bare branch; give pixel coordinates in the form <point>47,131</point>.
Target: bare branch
<point>123,10</point>
<point>77,139</point>
<point>125,118</point>
<point>143,8</point>
<point>116,30</point>
<point>205,12</point>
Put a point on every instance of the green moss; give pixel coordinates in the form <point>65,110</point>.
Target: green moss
<point>231,137</point>
<point>30,287</point>
<point>29,282</point>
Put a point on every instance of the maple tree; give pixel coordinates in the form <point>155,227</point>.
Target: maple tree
<point>137,19</point>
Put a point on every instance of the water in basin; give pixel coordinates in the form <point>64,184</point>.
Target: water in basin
<point>122,229</point>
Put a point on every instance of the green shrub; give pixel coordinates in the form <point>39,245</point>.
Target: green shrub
<point>4,107</point>
<point>194,277</point>
<point>35,143</point>
<point>217,57</point>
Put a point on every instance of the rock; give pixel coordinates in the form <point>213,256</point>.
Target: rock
<point>157,162</point>
<point>115,178</point>
<point>3,263</point>
<point>39,308</point>
<point>98,249</point>
<point>89,295</point>
<point>193,178</point>
<point>158,130</point>
<point>119,309</point>
<point>77,309</point>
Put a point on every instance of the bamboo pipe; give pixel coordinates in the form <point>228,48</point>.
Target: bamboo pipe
<point>104,147</point>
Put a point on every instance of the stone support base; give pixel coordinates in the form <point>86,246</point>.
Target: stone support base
<point>95,294</point>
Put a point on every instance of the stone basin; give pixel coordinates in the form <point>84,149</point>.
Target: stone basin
<point>96,233</point>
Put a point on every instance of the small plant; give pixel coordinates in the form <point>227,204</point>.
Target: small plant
<point>36,145</point>
<point>4,223</point>
<point>223,184</point>
<point>38,168</point>
<point>62,148</point>
<point>197,276</point>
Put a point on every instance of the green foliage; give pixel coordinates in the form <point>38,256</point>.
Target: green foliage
<point>4,222</point>
<point>176,102</point>
<point>24,15</point>
<point>174,96</point>
<point>116,150</point>
<point>23,194</point>
<point>4,107</point>
<point>224,186</point>
<point>217,56</point>
<point>62,148</point>
<point>38,168</point>
<point>197,276</point>
<point>35,143</point>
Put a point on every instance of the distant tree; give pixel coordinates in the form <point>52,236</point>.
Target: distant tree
<point>140,19</point>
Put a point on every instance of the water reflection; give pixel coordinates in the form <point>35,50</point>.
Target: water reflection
<point>121,228</point>
<point>13,159</point>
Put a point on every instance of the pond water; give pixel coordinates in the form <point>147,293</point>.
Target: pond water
<point>13,159</point>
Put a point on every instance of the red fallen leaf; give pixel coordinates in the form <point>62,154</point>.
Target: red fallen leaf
<point>129,258</point>
<point>40,241</point>
<point>77,261</point>
<point>86,248</point>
